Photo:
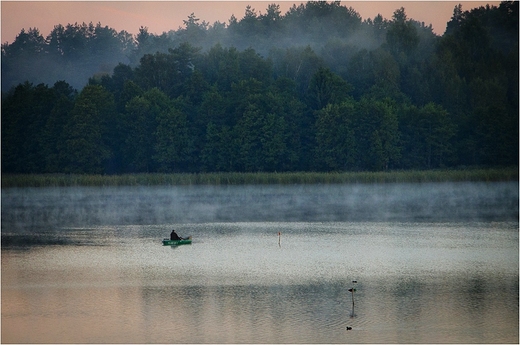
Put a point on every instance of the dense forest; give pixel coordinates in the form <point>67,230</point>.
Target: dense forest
<point>315,89</point>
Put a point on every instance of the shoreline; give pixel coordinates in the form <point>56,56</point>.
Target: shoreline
<point>230,178</point>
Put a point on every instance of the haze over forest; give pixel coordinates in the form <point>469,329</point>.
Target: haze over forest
<point>315,89</point>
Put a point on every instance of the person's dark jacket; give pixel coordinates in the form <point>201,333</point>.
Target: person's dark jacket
<point>174,236</point>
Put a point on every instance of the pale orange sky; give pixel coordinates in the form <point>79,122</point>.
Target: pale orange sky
<point>162,16</point>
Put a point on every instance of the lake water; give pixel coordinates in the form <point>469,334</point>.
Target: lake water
<point>430,263</point>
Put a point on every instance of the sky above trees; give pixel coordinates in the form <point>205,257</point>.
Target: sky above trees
<point>162,16</point>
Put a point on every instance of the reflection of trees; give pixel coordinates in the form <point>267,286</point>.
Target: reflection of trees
<point>232,313</point>
<point>409,292</point>
<point>395,309</point>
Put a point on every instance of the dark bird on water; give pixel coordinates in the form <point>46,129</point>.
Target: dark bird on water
<point>349,328</point>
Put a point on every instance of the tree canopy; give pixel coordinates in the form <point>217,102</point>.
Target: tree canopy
<point>316,89</point>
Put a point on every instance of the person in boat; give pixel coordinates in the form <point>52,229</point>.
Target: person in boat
<point>174,236</point>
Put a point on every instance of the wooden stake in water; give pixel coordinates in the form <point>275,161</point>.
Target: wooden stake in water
<point>279,238</point>
<point>352,290</point>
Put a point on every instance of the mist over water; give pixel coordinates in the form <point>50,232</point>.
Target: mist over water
<point>431,263</point>
<point>30,209</point>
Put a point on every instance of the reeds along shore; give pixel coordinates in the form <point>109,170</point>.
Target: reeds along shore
<point>64,180</point>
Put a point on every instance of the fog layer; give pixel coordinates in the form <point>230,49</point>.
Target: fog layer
<point>29,209</point>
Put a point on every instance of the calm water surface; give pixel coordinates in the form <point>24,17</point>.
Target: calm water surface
<point>432,263</point>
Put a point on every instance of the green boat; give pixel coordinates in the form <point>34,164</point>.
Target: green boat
<point>167,242</point>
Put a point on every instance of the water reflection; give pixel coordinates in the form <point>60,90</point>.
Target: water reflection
<point>387,311</point>
<point>150,294</point>
<point>100,278</point>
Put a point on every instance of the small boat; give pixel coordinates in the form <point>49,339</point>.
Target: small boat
<point>168,242</point>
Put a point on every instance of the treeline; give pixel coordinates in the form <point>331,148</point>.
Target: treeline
<point>342,95</point>
<point>76,51</point>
